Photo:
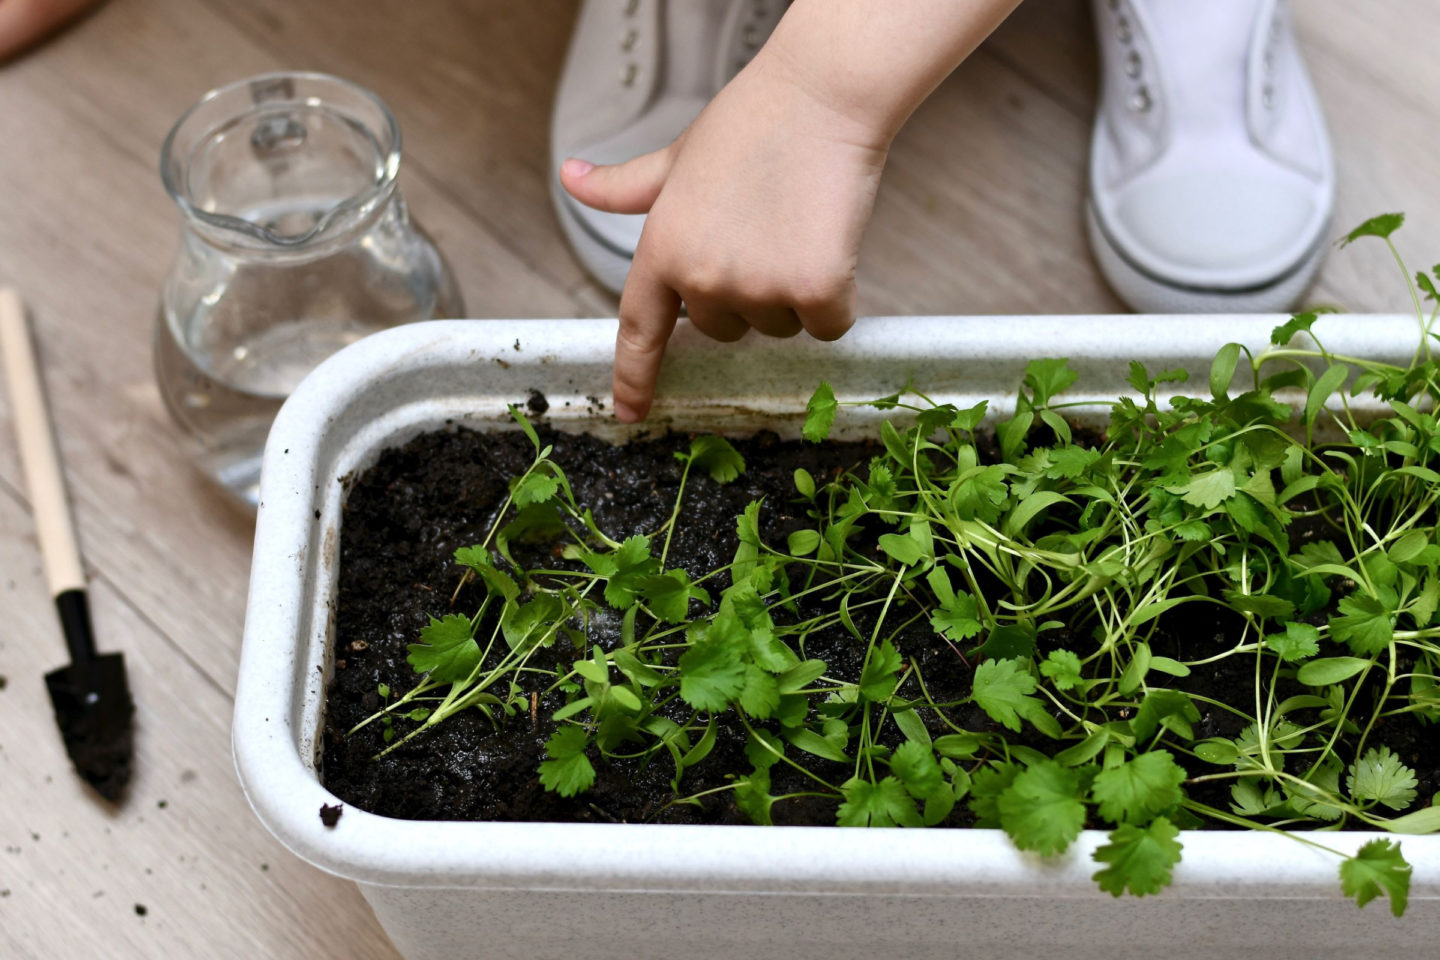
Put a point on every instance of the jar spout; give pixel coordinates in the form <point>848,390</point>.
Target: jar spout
<point>282,161</point>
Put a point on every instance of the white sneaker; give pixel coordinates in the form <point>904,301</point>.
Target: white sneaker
<point>637,73</point>
<point>1211,175</point>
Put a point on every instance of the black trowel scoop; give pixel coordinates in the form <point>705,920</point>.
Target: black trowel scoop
<point>91,698</point>
<point>92,703</point>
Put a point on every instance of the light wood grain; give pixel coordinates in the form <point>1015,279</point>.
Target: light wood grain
<point>980,211</point>
<point>184,846</point>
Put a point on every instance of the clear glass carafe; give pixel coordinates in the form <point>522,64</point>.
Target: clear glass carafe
<point>295,242</point>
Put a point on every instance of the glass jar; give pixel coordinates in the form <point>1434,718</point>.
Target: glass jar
<point>295,242</point>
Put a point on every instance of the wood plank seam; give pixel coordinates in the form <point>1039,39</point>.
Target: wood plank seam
<point>97,571</point>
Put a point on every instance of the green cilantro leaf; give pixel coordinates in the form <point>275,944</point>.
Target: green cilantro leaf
<point>914,763</point>
<point>716,457</point>
<point>568,771</point>
<point>1380,776</point>
<point>1070,463</point>
<point>1041,810</point>
<point>537,523</point>
<point>1140,858</point>
<point>1063,669</point>
<point>480,563</point>
<point>882,804</point>
<point>1208,490</point>
<point>1309,798</point>
<point>711,674</point>
<point>957,618</point>
<point>1047,377</point>
<point>747,550</point>
<point>1138,789</point>
<point>958,615</point>
<point>1377,868</point>
<point>1166,707</point>
<point>535,488</point>
<point>881,491</point>
<point>1139,378</point>
<point>446,650</point>
<point>760,694</point>
<point>1299,642</point>
<point>820,413</point>
<point>1284,333</point>
<point>1381,226</point>
<point>987,783</point>
<point>878,677</point>
<point>1002,689</point>
<point>528,623</point>
<point>1422,611</point>
<point>967,420</point>
<point>979,493</point>
<point>632,565</point>
<point>901,547</point>
<point>668,595</point>
<point>524,423</point>
<point>804,483</point>
<point>752,796</point>
<point>802,543</point>
<point>1427,286</point>
<point>1364,624</point>
<point>1008,641</point>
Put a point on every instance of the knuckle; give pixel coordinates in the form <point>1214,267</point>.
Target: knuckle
<point>705,283</point>
<point>819,292</point>
<point>638,338</point>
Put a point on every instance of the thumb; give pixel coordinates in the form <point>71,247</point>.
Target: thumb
<point>629,187</point>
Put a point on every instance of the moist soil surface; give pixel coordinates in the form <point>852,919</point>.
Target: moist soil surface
<point>405,517</point>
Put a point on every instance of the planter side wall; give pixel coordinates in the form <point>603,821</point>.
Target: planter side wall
<point>543,890</point>
<point>654,925</point>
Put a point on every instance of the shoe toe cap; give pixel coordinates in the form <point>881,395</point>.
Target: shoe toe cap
<point>1219,228</point>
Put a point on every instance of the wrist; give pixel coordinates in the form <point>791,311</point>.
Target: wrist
<point>872,63</point>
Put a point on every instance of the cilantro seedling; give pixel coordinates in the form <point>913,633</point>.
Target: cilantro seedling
<point>1058,575</point>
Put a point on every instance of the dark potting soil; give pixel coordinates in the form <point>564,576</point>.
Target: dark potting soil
<point>405,517</point>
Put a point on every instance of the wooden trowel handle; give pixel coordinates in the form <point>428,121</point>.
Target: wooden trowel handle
<point>38,454</point>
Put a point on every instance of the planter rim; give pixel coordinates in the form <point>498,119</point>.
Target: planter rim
<point>343,412</point>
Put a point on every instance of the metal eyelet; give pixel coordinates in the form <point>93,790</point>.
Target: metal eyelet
<point>1123,32</point>
<point>628,73</point>
<point>631,6</point>
<point>1267,97</point>
<point>1133,64</point>
<point>628,39</point>
<point>750,36</point>
<point>1140,100</point>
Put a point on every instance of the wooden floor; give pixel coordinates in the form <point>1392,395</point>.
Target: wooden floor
<point>979,213</point>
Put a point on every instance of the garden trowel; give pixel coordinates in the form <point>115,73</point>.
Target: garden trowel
<point>90,696</point>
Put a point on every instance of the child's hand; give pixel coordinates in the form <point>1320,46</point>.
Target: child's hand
<point>756,210</point>
<point>756,213</point>
<point>26,22</point>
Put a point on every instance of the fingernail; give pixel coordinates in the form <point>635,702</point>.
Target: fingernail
<point>626,413</point>
<point>575,167</point>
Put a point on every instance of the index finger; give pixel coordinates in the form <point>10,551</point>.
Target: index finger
<point>648,309</point>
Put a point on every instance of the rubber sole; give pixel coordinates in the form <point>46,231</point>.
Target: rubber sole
<point>1146,293</point>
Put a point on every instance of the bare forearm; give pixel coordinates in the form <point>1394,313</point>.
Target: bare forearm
<point>874,61</point>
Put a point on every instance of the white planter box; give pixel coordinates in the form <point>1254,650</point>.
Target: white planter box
<point>542,891</point>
